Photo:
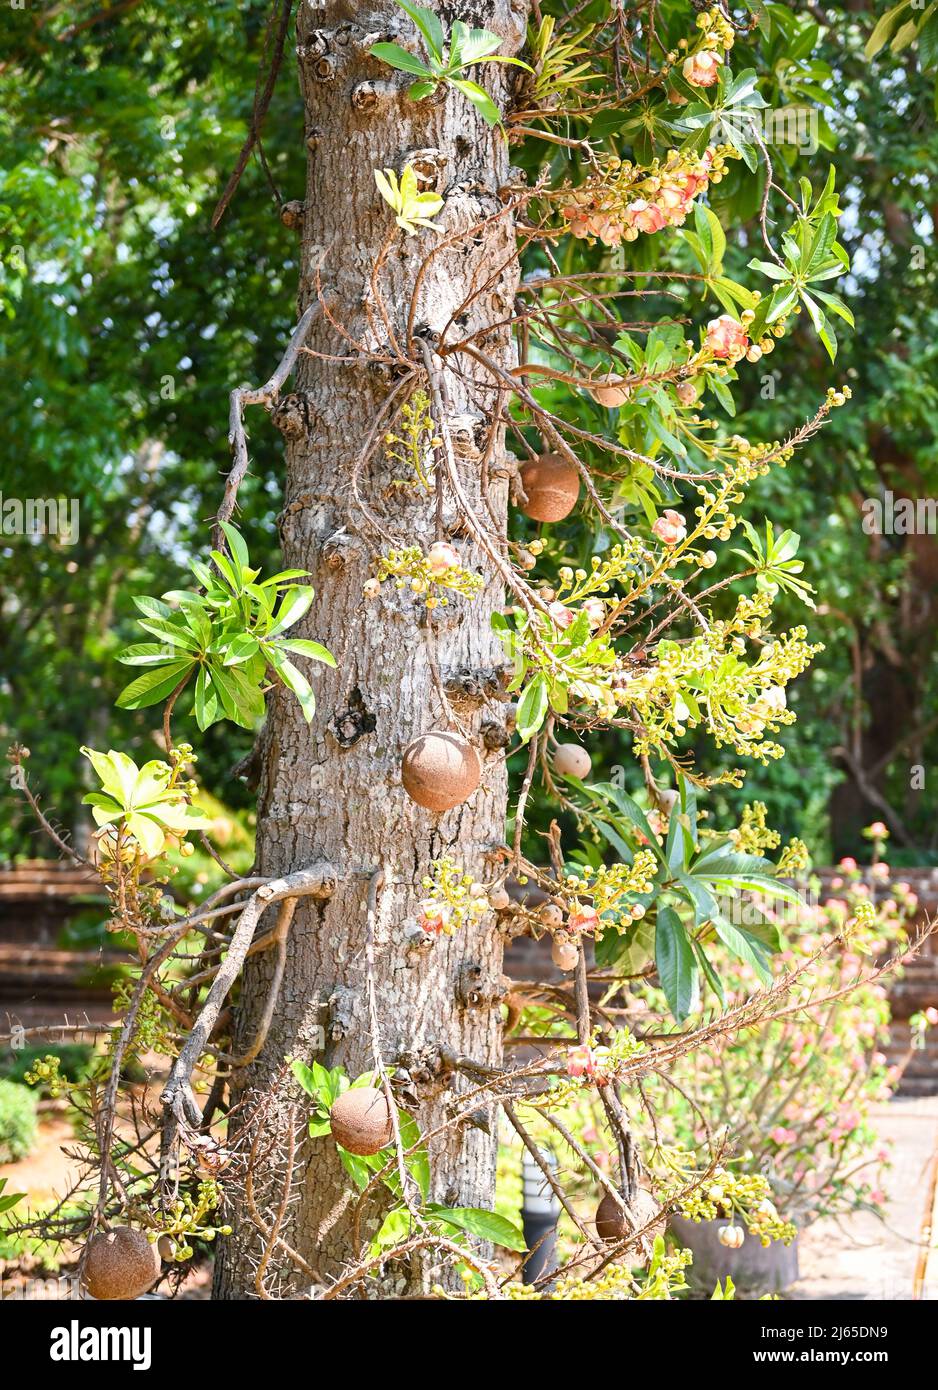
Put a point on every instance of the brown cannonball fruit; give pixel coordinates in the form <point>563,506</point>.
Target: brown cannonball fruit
<point>439,770</point>
<point>552,486</point>
<point>565,955</point>
<point>120,1263</point>
<point>610,390</point>
<point>570,760</point>
<point>611,1223</point>
<point>499,899</point>
<point>361,1120</point>
<point>551,915</point>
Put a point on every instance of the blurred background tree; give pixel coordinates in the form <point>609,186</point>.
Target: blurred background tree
<point>127,320</point>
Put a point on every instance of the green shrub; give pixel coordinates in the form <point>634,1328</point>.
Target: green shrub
<point>18,1123</point>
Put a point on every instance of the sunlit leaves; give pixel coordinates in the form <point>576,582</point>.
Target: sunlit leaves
<point>228,637</point>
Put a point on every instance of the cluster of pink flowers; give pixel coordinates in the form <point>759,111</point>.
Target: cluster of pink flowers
<point>618,205</point>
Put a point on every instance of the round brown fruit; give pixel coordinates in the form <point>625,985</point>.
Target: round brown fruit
<point>439,770</point>
<point>611,1223</point>
<point>499,900</point>
<point>570,760</point>
<point>361,1120</point>
<point>552,486</point>
<point>120,1263</point>
<point>565,956</point>
<point>551,915</point>
<point>610,391</point>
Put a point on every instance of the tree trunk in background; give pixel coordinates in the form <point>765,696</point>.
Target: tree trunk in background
<point>331,791</point>
<point>896,652</point>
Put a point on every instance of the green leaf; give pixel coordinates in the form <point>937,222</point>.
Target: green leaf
<point>605,792</point>
<point>397,57</point>
<point>418,91</point>
<point>236,544</point>
<point>144,654</point>
<point>297,682</point>
<point>305,1077</point>
<point>304,648</point>
<point>883,29</point>
<point>152,607</point>
<point>710,975</point>
<point>532,708</point>
<point>712,236</point>
<point>744,947</point>
<point>296,603</point>
<point>480,100</point>
<point>821,325</point>
<point>241,648</point>
<point>357,1169</point>
<point>677,969</point>
<point>429,25</point>
<point>172,632</point>
<point>418,1163</point>
<point>153,686</point>
<point>477,44</point>
<point>487,1225</point>
<point>395,1228</point>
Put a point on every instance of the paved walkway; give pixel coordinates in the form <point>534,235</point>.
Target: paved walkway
<point>861,1257</point>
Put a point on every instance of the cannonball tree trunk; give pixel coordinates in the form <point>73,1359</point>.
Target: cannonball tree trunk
<point>331,791</point>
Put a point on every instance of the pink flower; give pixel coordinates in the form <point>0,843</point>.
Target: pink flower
<point>561,615</point>
<point>848,865</point>
<point>645,216</point>
<point>582,918</point>
<point>595,610</point>
<point>781,1135</point>
<point>931,1013</point>
<point>878,831</point>
<point>701,69</point>
<point>442,557</point>
<point>583,1061</point>
<point>606,228</point>
<point>674,200</point>
<point>726,336</point>
<point>579,1061</point>
<point>434,918</point>
<point>670,528</point>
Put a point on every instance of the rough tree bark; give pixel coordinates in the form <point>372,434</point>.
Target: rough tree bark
<point>331,791</point>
